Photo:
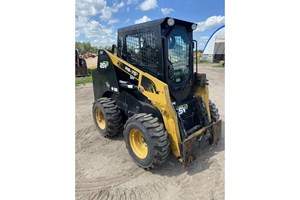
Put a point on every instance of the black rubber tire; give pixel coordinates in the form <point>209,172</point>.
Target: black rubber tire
<point>214,112</point>
<point>112,116</point>
<point>154,135</point>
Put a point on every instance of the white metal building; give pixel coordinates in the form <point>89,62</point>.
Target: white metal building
<point>214,50</point>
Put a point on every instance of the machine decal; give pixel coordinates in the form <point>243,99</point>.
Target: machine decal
<point>182,109</point>
<point>129,70</point>
<point>104,64</point>
<point>114,89</point>
<point>107,84</point>
<point>149,85</point>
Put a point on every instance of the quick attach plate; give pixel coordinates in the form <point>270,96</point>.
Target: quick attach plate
<point>190,144</point>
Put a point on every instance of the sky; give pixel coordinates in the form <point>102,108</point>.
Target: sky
<point>97,21</point>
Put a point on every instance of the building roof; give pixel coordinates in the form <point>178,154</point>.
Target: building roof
<point>217,37</point>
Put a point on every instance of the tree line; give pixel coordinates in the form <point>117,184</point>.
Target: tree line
<point>84,47</point>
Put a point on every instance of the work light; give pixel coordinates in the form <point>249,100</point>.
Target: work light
<point>171,22</point>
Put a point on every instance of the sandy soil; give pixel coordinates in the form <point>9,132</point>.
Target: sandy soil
<point>104,169</point>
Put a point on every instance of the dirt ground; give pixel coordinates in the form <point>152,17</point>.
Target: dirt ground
<point>104,169</point>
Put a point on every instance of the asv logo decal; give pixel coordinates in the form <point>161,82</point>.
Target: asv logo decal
<point>104,64</point>
<point>182,109</point>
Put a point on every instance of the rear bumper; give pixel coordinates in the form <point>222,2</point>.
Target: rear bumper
<point>212,132</point>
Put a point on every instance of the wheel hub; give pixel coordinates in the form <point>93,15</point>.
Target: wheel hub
<point>100,119</point>
<point>138,144</point>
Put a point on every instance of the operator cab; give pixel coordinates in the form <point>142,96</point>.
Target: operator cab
<point>164,49</point>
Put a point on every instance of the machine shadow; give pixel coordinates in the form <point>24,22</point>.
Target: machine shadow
<point>119,137</point>
<point>204,153</point>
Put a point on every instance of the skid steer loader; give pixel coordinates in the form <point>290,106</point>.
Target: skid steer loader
<point>150,91</point>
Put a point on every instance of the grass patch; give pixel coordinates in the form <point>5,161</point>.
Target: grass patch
<point>86,79</point>
<point>219,65</point>
<point>201,61</point>
<point>83,80</point>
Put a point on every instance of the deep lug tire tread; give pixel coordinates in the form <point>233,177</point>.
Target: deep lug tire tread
<point>112,114</point>
<point>214,112</point>
<point>158,136</point>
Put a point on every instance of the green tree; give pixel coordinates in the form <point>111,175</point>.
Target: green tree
<point>84,47</point>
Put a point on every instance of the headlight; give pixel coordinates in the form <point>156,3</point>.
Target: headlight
<point>171,22</point>
<point>194,26</point>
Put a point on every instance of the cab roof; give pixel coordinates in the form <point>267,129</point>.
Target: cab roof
<point>153,23</point>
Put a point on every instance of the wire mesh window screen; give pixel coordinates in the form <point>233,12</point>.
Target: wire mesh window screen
<point>141,49</point>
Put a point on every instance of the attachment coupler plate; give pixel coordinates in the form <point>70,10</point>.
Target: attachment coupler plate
<point>211,132</point>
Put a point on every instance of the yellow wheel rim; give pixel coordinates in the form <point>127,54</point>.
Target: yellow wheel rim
<point>138,144</point>
<point>100,119</point>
